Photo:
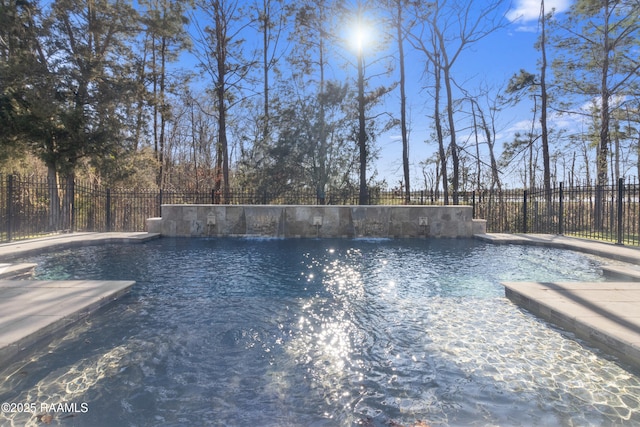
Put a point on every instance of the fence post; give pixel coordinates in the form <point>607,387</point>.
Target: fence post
<point>473,204</point>
<point>524,213</point>
<point>620,208</point>
<point>159,203</point>
<point>108,210</point>
<point>561,210</point>
<point>72,201</point>
<point>9,206</point>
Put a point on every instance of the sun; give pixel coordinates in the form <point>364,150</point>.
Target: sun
<point>361,36</point>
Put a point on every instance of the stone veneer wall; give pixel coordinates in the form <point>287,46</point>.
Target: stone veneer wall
<point>316,221</point>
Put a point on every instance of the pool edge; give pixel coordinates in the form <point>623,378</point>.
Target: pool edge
<point>32,324</point>
<point>578,307</point>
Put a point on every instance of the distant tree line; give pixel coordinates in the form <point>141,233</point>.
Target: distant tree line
<point>271,94</point>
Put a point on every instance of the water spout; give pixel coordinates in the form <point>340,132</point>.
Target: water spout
<point>317,222</point>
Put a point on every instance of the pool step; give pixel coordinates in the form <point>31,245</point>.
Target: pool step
<point>16,271</point>
<point>32,311</point>
<point>603,313</point>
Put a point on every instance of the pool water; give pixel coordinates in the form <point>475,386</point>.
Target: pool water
<point>265,332</point>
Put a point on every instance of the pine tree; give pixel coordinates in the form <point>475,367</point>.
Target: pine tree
<point>163,24</point>
<point>596,63</point>
<point>220,50</point>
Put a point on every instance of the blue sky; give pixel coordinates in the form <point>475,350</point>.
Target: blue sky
<point>492,60</point>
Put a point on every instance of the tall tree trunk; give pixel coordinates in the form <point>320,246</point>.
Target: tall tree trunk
<point>142,75</point>
<point>495,173</point>
<point>403,107</point>
<point>453,146</point>
<point>532,167</point>
<point>603,151</point>
<point>439,134</point>
<point>221,186</point>
<point>220,149</point>
<point>475,132</point>
<point>602,155</point>
<point>163,107</point>
<point>265,68</point>
<point>543,107</point>
<point>196,145</point>
<point>363,198</point>
<point>323,176</point>
<point>154,76</point>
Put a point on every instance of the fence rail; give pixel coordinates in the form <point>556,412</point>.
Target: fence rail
<point>33,207</point>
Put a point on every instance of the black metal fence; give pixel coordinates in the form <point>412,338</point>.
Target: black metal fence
<point>609,213</point>
<point>33,207</point>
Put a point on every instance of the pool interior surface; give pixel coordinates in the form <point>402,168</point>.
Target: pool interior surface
<point>307,332</point>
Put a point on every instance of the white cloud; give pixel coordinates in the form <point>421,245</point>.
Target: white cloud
<point>529,10</point>
<point>528,28</point>
<point>521,126</point>
<point>555,121</point>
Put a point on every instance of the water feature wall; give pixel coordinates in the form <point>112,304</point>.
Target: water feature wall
<point>316,221</point>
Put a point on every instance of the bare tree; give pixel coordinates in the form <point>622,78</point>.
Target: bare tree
<point>452,27</point>
<point>402,26</point>
<point>485,119</point>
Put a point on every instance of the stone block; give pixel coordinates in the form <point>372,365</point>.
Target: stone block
<point>197,228</point>
<point>479,226</point>
<point>190,213</point>
<point>264,221</point>
<point>154,225</point>
<point>168,228</point>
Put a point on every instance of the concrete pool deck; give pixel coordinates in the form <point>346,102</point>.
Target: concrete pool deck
<point>607,314</point>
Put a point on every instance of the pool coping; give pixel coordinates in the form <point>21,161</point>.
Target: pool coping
<point>593,247</point>
<point>21,248</point>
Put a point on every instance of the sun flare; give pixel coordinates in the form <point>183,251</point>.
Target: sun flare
<point>361,36</point>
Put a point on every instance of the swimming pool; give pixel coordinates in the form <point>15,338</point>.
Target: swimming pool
<point>321,333</point>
